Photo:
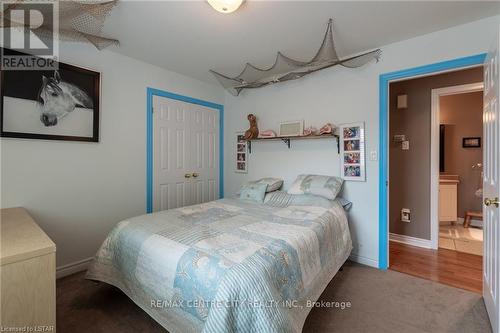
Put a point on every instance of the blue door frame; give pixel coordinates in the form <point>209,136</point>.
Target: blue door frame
<point>384,135</point>
<point>149,139</point>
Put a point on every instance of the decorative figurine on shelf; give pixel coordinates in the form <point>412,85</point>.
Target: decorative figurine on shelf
<point>253,131</point>
<point>267,134</point>
<point>327,129</point>
<point>310,131</point>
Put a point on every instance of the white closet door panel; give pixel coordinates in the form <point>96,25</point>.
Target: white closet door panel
<point>185,142</point>
<point>205,153</point>
<point>171,143</point>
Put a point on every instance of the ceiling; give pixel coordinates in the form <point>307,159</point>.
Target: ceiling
<point>189,37</point>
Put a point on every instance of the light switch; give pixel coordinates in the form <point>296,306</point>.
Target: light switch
<point>405,145</point>
<point>399,138</point>
<point>373,155</point>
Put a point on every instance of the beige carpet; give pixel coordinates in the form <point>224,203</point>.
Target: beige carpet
<point>381,301</point>
<point>456,237</point>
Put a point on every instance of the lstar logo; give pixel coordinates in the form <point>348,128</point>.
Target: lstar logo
<point>29,35</point>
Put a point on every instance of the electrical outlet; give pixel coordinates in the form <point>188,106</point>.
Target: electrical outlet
<point>405,215</point>
<point>373,155</point>
<point>405,145</point>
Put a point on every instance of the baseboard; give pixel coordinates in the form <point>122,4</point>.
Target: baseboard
<point>363,260</point>
<point>72,268</point>
<point>425,243</point>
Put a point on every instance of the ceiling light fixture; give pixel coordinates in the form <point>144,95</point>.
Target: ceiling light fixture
<point>225,6</point>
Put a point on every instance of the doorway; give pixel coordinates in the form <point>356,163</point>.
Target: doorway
<point>415,180</point>
<point>384,80</point>
<point>457,168</point>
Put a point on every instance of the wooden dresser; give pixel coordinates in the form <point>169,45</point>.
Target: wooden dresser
<point>27,274</point>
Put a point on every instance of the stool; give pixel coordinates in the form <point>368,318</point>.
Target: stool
<point>469,215</point>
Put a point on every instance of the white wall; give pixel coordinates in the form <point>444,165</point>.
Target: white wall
<point>78,191</point>
<point>339,95</point>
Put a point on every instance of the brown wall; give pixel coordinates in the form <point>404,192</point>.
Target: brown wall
<point>410,169</point>
<point>462,116</point>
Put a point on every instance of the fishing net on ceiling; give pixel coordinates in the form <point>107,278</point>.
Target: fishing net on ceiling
<point>286,68</point>
<point>80,21</point>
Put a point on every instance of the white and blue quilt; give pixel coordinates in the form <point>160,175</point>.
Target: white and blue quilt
<point>228,265</point>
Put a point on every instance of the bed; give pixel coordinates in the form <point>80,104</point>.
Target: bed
<point>228,265</point>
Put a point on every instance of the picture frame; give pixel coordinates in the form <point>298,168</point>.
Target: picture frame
<point>352,151</point>
<point>291,128</point>
<point>241,163</point>
<point>62,104</point>
<point>471,142</point>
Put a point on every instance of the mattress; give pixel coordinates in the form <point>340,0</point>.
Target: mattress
<point>227,265</point>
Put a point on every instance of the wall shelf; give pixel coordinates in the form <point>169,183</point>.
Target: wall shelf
<point>287,140</point>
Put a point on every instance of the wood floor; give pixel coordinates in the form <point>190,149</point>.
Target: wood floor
<point>457,269</point>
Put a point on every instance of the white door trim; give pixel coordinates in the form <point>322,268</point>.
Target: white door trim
<point>434,197</point>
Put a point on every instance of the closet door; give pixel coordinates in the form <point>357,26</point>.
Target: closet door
<point>171,154</point>
<point>185,153</point>
<point>204,132</point>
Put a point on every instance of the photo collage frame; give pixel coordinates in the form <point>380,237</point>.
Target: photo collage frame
<point>241,164</point>
<point>352,151</point>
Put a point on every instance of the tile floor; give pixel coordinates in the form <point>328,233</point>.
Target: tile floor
<point>456,237</point>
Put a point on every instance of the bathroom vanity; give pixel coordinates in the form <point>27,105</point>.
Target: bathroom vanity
<point>448,197</point>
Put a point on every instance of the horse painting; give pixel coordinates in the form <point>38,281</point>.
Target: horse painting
<point>56,99</point>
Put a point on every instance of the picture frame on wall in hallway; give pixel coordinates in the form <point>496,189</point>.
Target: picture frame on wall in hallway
<point>56,104</point>
<point>471,142</point>
<point>352,151</point>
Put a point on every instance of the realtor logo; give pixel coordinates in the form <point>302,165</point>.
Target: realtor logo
<point>29,31</point>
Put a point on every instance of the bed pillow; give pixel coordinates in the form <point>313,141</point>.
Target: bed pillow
<point>284,199</point>
<point>273,184</point>
<point>346,204</point>
<point>324,186</point>
<point>253,192</point>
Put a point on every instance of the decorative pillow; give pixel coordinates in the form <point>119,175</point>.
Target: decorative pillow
<point>253,192</point>
<point>273,184</point>
<point>325,186</point>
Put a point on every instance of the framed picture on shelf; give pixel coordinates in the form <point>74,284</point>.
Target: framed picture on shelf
<point>352,151</point>
<point>241,154</point>
<point>291,128</point>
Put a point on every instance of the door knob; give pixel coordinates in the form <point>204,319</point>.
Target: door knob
<point>195,175</point>
<point>187,175</point>
<point>488,202</point>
